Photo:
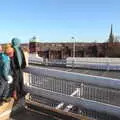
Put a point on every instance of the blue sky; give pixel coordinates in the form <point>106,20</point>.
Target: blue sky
<point>58,20</point>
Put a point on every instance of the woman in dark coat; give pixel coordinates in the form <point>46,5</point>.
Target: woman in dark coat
<point>5,76</point>
<point>10,52</point>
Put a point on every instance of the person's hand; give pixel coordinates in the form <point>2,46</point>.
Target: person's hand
<point>10,79</point>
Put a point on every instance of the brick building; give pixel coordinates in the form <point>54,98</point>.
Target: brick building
<point>64,50</point>
<point>110,48</point>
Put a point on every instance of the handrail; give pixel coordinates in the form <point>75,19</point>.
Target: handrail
<point>75,77</point>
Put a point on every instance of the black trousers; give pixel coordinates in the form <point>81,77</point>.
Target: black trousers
<point>4,89</point>
<point>19,82</point>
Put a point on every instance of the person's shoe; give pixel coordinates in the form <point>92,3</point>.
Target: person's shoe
<point>23,93</point>
<point>1,102</point>
<point>6,99</point>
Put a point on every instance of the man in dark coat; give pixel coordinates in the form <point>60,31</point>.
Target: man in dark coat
<point>5,76</point>
<point>19,60</point>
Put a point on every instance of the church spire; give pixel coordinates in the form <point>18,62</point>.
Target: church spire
<point>111,29</point>
<point>111,36</point>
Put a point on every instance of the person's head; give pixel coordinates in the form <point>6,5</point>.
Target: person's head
<point>1,50</point>
<point>15,42</point>
<point>9,50</point>
<point>6,46</point>
<point>25,49</point>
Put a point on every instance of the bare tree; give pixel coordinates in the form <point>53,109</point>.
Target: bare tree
<point>117,39</point>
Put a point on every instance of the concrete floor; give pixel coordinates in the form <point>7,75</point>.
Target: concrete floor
<point>20,113</point>
<point>23,114</point>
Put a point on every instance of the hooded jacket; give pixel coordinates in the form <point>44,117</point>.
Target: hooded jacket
<point>18,54</point>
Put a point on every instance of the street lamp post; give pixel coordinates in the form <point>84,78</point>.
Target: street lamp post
<point>73,47</point>
<point>73,52</point>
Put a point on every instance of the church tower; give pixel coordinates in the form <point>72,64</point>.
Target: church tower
<point>111,36</point>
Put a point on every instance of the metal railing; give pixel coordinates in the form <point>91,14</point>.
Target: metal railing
<point>94,63</point>
<point>56,62</point>
<point>94,93</point>
<point>87,63</point>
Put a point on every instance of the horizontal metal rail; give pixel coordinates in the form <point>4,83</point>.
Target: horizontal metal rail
<point>75,77</point>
